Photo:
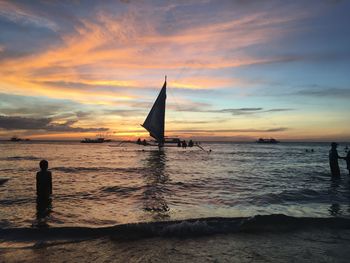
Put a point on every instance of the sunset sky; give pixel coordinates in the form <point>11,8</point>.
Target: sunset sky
<point>237,70</point>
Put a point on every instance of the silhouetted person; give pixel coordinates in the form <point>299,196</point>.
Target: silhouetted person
<point>347,158</point>
<point>333,160</point>
<point>184,144</point>
<point>179,144</point>
<point>138,141</point>
<point>144,142</point>
<point>190,143</point>
<point>43,190</point>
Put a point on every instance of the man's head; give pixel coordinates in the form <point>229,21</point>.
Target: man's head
<point>44,165</point>
<point>334,145</point>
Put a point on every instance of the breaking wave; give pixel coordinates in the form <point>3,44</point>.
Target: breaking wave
<point>21,158</point>
<point>73,170</point>
<point>178,229</point>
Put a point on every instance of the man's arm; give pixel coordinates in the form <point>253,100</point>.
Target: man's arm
<point>50,182</point>
<point>37,183</point>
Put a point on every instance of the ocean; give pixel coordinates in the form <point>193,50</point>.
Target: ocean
<point>103,185</point>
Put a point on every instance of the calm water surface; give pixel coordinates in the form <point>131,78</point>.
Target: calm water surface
<point>106,184</point>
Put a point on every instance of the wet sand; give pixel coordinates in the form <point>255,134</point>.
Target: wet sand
<point>313,245</point>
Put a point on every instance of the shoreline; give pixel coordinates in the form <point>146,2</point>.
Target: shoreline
<point>312,245</point>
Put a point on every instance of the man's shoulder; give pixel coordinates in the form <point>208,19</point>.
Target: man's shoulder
<point>44,173</point>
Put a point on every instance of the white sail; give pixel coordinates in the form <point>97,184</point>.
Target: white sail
<point>155,120</point>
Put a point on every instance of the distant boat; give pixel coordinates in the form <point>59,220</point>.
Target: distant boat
<point>16,139</point>
<point>97,140</point>
<point>267,141</point>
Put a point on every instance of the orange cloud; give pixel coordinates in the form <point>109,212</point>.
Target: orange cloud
<point>105,51</point>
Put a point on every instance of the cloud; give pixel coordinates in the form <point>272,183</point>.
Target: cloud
<point>341,93</point>
<point>110,47</point>
<point>24,123</point>
<point>242,111</point>
<point>124,113</point>
<point>214,131</point>
<point>279,129</point>
<point>102,61</point>
<point>18,14</point>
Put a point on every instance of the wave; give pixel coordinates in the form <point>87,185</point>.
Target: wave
<point>19,201</point>
<point>120,189</point>
<point>179,229</point>
<point>94,169</point>
<point>21,158</point>
<point>300,195</point>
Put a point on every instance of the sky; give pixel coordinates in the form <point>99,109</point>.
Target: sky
<point>237,70</point>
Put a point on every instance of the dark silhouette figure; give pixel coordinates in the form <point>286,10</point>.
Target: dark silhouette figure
<point>184,144</point>
<point>144,142</point>
<point>179,143</point>
<point>43,190</point>
<point>190,143</point>
<point>138,141</point>
<point>333,160</point>
<point>347,158</point>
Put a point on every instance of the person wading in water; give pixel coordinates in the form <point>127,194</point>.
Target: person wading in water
<point>43,190</point>
<point>333,160</point>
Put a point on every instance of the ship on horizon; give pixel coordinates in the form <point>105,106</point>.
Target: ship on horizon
<point>17,139</point>
<point>267,141</point>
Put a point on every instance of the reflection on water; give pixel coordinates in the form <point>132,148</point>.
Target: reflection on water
<point>156,180</point>
<point>335,208</point>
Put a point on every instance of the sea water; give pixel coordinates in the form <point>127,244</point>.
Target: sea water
<point>97,185</point>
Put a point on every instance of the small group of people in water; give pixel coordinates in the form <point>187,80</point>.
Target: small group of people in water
<point>184,144</point>
<point>180,143</point>
<point>143,142</point>
<point>333,160</point>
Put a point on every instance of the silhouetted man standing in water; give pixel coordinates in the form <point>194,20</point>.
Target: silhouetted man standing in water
<point>333,160</point>
<point>347,158</point>
<point>43,190</point>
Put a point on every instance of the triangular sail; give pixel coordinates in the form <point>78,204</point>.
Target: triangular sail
<point>155,120</point>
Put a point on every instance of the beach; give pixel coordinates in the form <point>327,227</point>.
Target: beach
<point>242,202</point>
<point>295,246</point>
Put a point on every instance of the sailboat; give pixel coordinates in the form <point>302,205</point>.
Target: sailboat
<point>155,125</point>
<point>155,121</point>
